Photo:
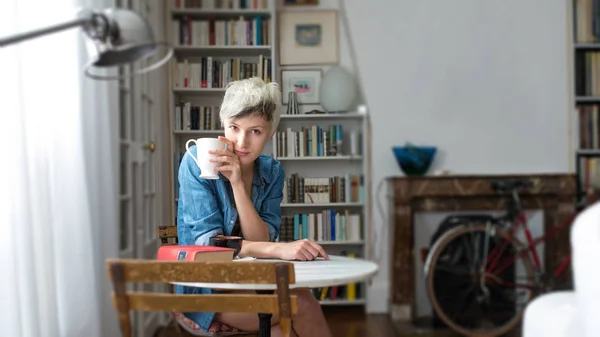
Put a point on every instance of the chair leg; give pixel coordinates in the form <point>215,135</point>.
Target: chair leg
<point>264,325</point>
<point>283,299</point>
<point>264,320</point>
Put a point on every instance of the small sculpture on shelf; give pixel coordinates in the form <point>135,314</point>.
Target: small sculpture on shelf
<point>338,90</point>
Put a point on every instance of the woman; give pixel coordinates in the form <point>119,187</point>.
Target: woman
<point>245,201</point>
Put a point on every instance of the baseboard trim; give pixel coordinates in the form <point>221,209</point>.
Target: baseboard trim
<point>378,298</point>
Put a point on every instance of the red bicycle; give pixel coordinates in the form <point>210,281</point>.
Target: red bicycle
<point>480,276</point>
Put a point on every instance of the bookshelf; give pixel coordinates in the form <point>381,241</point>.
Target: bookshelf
<point>193,112</point>
<point>214,42</point>
<point>586,71</point>
<point>324,192</point>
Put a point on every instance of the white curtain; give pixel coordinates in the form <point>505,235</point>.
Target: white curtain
<point>57,179</point>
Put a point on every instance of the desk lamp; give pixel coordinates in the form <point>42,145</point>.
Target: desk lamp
<point>120,36</point>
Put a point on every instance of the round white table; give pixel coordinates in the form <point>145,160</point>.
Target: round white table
<point>318,273</point>
<point>338,270</point>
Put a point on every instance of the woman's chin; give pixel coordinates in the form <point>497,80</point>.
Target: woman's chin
<point>247,159</point>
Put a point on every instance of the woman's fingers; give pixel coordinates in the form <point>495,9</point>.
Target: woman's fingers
<point>224,168</point>
<point>222,159</point>
<point>228,143</point>
<point>304,255</point>
<point>221,152</point>
<point>312,251</point>
<point>320,250</point>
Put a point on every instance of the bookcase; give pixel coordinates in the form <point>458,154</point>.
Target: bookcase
<point>586,57</point>
<point>324,195</point>
<point>214,41</point>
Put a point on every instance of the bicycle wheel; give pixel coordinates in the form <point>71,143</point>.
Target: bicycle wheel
<point>472,302</point>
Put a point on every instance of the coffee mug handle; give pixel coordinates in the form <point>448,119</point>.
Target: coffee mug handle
<point>187,149</point>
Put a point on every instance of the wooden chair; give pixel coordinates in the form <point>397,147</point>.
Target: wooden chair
<point>122,271</point>
<point>167,235</point>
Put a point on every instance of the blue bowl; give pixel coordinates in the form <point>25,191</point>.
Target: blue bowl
<point>414,160</point>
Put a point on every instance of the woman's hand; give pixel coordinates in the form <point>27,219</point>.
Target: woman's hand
<point>230,163</point>
<point>303,250</point>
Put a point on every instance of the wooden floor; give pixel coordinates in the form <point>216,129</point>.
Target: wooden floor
<point>344,322</point>
<point>353,322</point>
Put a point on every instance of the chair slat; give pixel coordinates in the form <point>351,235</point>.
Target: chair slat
<point>167,231</point>
<point>213,272</point>
<point>144,301</point>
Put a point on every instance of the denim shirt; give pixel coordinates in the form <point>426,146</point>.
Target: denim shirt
<point>206,208</point>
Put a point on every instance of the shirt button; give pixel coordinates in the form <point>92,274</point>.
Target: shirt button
<point>231,221</point>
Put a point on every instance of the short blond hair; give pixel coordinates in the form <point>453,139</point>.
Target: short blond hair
<point>252,97</point>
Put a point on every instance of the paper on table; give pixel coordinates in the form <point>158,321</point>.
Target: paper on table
<point>247,258</point>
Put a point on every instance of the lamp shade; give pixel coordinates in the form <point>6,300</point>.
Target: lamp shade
<point>337,90</point>
<point>128,38</point>
<point>120,37</point>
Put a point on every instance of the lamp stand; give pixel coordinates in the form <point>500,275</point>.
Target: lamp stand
<point>120,37</point>
<point>95,25</point>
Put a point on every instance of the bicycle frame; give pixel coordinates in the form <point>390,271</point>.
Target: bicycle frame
<point>521,221</point>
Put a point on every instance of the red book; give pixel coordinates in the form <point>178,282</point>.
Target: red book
<point>194,253</point>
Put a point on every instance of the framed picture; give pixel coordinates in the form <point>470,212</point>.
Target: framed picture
<point>301,2</point>
<point>308,37</point>
<point>305,83</point>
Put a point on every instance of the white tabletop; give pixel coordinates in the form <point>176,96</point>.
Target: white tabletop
<point>337,270</point>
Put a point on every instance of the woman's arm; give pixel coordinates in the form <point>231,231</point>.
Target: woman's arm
<point>262,224</point>
<point>251,222</point>
<point>198,214</point>
<point>270,215</point>
<point>261,250</point>
<point>253,227</point>
<point>303,250</point>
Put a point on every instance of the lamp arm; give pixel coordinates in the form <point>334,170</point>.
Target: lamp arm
<point>94,24</point>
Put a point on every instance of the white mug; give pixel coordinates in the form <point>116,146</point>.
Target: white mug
<point>203,145</point>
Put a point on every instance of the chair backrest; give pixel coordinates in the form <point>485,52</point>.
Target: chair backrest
<point>167,235</point>
<point>122,271</point>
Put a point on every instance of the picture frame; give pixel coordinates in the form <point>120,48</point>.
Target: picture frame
<point>306,83</point>
<point>309,37</point>
<point>300,2</point>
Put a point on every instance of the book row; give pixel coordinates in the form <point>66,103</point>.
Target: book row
<point>210,72</point>
<point>220,4</point>
<point>191,117</point>
<point>241,32</point>
<point>315,141</point>
<point>327,225</point>
<point>309,190</point>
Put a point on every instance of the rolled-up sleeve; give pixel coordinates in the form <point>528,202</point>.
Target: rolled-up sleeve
<point>270,210</point>
<point>198,214</point>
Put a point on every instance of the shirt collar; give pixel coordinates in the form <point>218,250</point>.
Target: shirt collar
<point>261,176</point>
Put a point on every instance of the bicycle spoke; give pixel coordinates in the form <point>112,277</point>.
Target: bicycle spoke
<point>471,256</point>
<point>519,282</point>
<point>461,309</point>
<point>496,254</point>
<point>459,270</point>
<point>485,247</point>
<point>451,292</point>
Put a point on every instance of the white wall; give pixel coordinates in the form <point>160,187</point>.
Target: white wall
<point>486,82</point>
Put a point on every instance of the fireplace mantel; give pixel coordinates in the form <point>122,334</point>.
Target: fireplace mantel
<point>554,194</point>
